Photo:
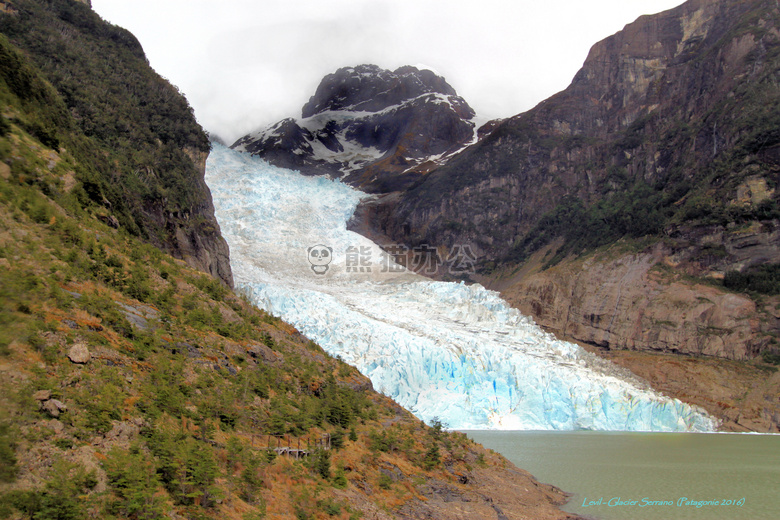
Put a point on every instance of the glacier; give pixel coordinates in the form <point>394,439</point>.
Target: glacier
<point>445,351</point>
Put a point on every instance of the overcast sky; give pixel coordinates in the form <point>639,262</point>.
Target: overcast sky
<point>246,63</point>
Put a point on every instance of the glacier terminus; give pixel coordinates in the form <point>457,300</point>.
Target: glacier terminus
<point>442,350</point>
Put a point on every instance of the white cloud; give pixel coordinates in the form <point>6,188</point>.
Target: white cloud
<point>246,63</point>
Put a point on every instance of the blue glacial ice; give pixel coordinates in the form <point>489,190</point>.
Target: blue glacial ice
<point>450,351</point>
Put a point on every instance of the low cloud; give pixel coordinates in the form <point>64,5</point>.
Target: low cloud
<point>243,64</point>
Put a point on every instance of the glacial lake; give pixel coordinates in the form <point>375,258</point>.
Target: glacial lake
<point>651,476</point>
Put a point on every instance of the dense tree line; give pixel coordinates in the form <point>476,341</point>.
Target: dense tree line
<point>129,128</point>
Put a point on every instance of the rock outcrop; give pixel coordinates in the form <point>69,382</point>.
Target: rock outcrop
<point>636,301</point>
<point>193,233</point>
<point>742,396</point>
<point>376,129</point>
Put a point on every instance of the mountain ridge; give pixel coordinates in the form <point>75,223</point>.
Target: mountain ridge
<point>376,129</point>
<point>650,139</point>
<point>636,210</point>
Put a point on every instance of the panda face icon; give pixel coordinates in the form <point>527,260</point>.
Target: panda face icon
<point>319,258</point>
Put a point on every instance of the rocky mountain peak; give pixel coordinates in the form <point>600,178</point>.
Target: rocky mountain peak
<point>371,88</point>
<point>377,129</point>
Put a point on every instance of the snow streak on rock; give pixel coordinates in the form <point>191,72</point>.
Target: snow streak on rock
<point>444,350</point>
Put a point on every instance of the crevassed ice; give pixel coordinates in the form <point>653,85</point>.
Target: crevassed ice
<point>442,350</point>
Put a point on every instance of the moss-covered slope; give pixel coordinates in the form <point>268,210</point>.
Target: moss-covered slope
<point>142,154</point>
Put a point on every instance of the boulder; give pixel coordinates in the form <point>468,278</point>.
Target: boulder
<point>79,354</point>
<point>42,395</point>
<point>54,407</point>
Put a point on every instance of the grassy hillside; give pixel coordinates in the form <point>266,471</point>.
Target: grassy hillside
<point>133,386</point>
<point>185,380</point>
<point>184,384</point>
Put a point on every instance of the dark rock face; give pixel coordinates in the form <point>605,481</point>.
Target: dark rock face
<point>369,88</point>
<point>682,103</point>
<point>379,130</point>
<point>661,102</point>
<point>193,233</point>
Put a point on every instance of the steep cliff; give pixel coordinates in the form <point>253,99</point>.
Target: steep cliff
<point>148,153</point>
<point>668,136</point>
<point>378,130</point>
<point>676,105</point>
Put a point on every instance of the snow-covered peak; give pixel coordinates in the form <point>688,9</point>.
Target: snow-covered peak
<point>377,129</point>
<point>371,88</point>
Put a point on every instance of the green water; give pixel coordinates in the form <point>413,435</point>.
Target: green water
<point>652,476</point>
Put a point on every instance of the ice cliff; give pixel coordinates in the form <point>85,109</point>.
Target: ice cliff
<point>442,350</point>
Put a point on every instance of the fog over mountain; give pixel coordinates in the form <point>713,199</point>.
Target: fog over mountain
<point>249,62</point>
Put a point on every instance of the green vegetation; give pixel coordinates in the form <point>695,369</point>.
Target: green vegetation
<point>201,384</point>
<point>8,467</point>
<point>189,388</point>
<point>636,212</point>
<point>62,497</point>
<point>134,481</point>
<point>763,279</point>
<point>771,357</point>
<point>88,89</point>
